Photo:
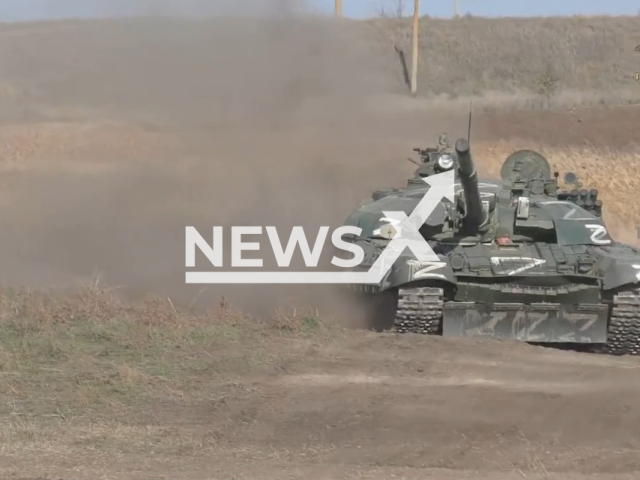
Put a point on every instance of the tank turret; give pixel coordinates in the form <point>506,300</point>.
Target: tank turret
<point>475,219</point>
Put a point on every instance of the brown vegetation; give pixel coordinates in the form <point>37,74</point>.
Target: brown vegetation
<point>83,371</point>
<point>550,61</point>
<point>506,62</point>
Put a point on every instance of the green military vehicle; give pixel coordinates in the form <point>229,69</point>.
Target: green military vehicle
<point>517,258</point>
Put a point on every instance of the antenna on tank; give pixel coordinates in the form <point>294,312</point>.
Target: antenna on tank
<point>469,126</point>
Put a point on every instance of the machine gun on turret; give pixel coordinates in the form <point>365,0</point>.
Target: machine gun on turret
<point>434,160</point>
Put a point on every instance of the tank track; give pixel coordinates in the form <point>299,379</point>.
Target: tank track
<point>624,325</point>
<point>419,311</point>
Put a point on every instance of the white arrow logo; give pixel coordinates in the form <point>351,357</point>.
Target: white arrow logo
<point>442,186</point>
<point>407,235</point>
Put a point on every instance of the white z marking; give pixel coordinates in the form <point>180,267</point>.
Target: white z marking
<point>598,234</point>
<point>569,214</point>
<point>426,268</point>
<point>637,267</point>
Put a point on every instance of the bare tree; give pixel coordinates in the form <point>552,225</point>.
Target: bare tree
<point>399,7</point>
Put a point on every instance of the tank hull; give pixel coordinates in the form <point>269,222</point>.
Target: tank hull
<point>610,326</point>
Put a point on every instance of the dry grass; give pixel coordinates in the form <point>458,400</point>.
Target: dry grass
<point>510,62</point>
<point>79,370</point>
<point>550,61</point>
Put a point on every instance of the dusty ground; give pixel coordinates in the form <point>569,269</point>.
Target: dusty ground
<point>154,393</point>
<point>99,178</point>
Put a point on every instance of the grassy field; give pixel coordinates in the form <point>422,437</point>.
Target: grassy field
<point>83,371</point>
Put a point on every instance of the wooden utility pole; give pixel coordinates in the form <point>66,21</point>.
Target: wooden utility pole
<point>338,8</point>
<point>455,8</point>
<point>414,67</point>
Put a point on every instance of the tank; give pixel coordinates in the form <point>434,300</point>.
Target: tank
<point>554,276</point>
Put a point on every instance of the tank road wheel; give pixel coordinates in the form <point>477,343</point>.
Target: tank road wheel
<point>623,333</point>
<point>419,311</point>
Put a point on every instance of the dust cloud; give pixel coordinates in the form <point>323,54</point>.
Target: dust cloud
<point>264,120</point>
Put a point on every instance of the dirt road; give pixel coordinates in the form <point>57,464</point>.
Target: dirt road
<point>368,406</point>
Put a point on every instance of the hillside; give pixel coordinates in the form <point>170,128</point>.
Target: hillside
<point>584,58</point>
<point>108,64</point>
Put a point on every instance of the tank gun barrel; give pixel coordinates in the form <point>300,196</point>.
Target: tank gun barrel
<point>476,217</point>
